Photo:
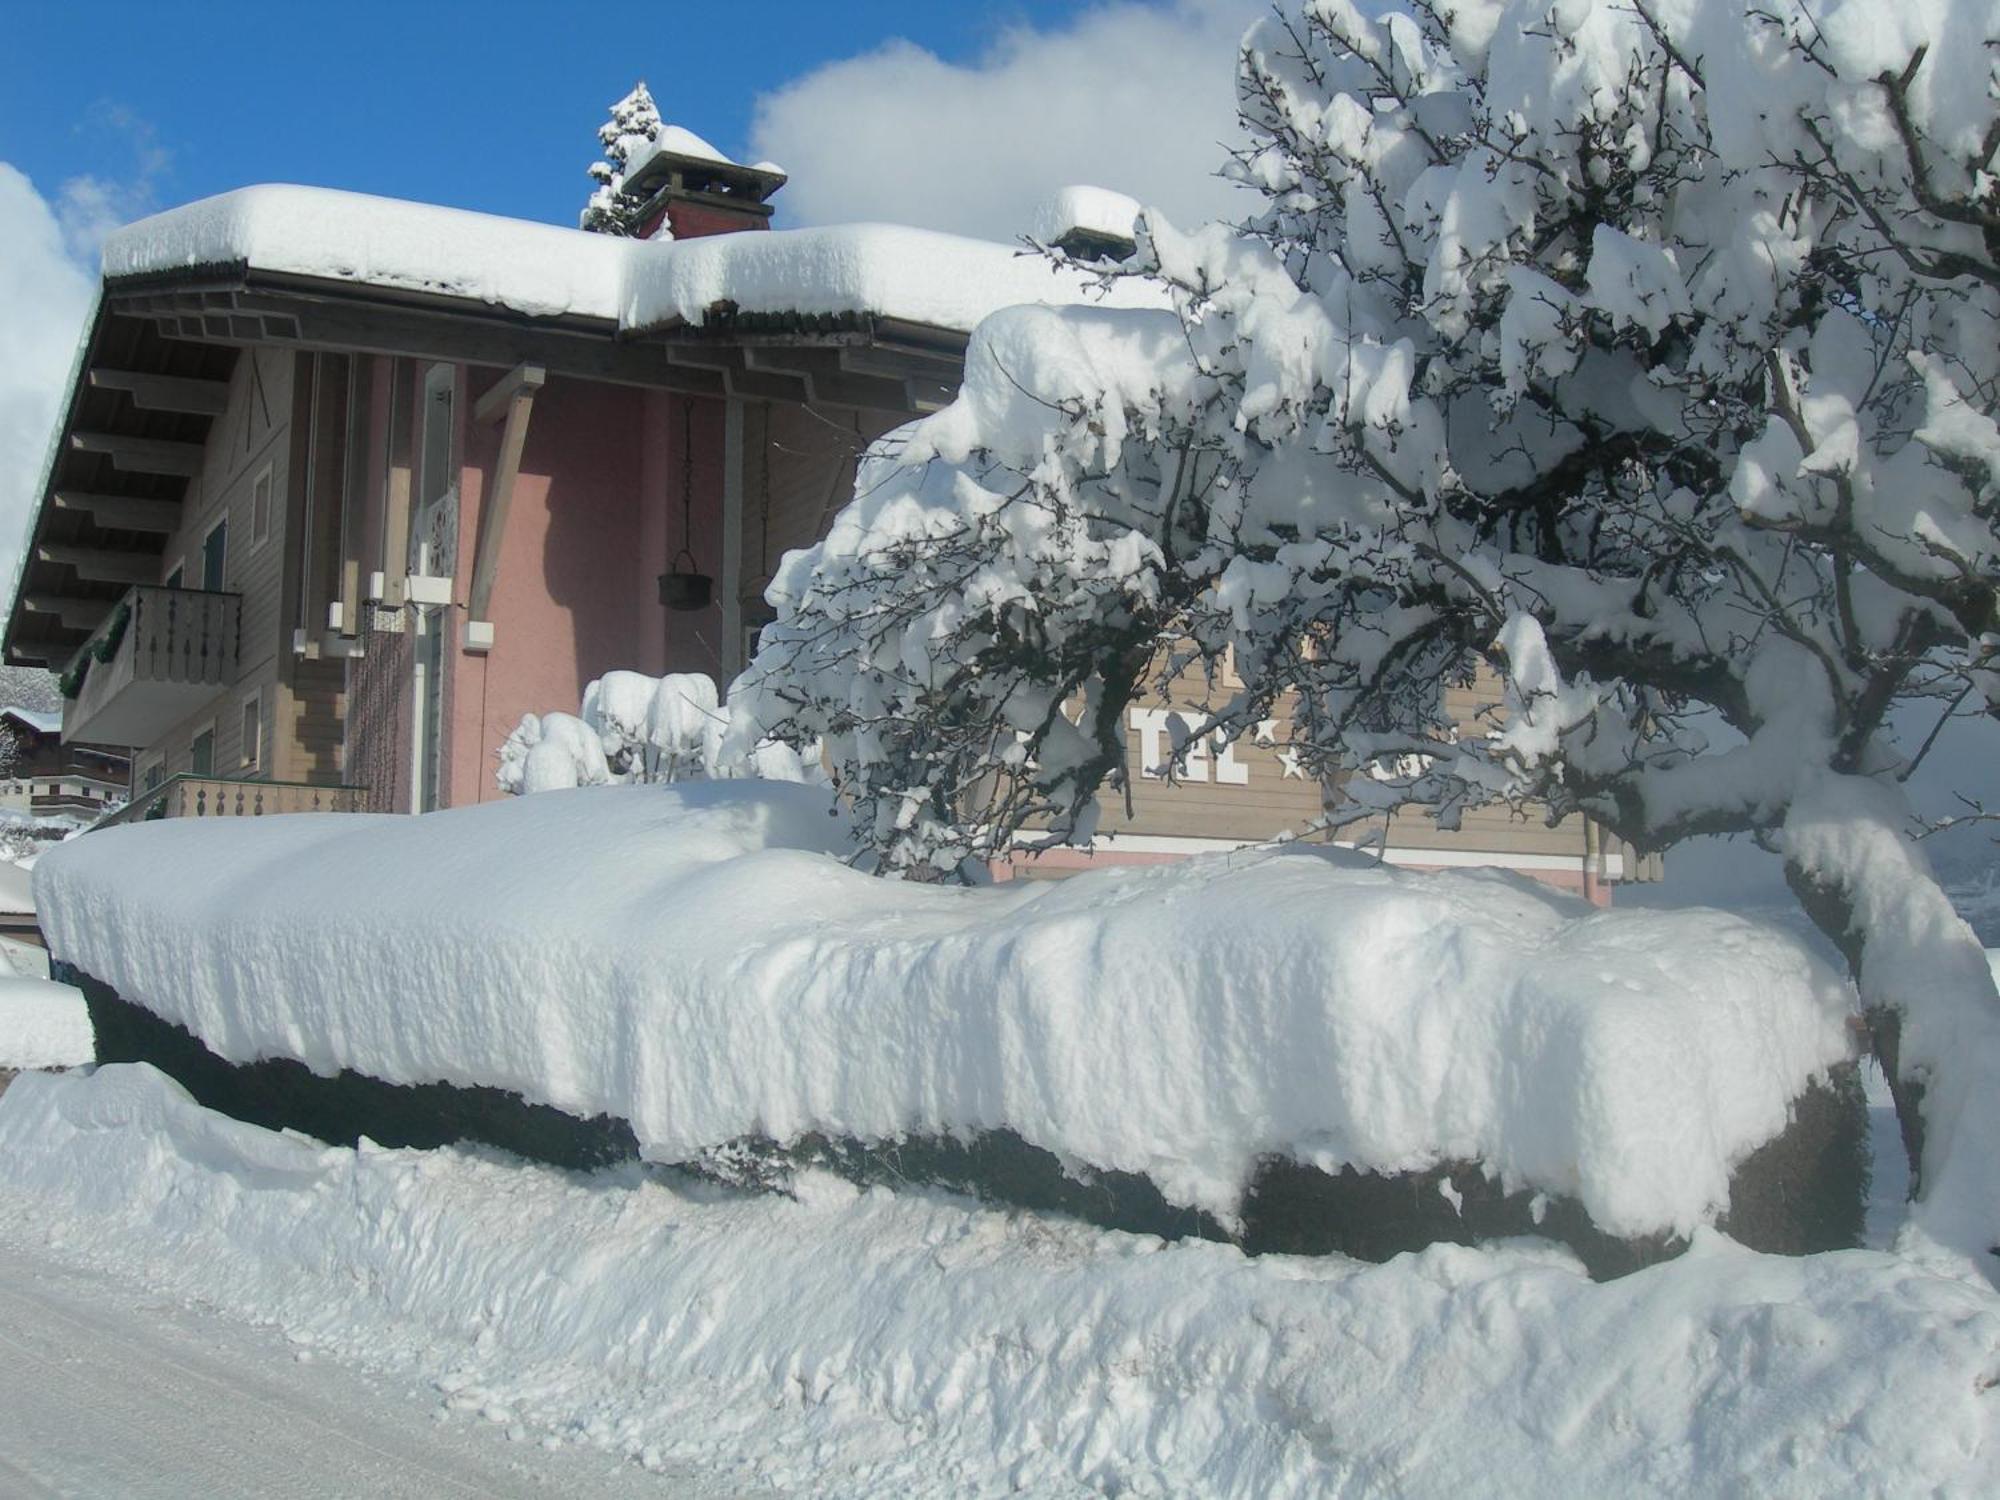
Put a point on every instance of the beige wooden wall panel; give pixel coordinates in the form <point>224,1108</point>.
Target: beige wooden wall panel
<point>252,434</point>
<point>1272,799</point>
<point>798,471</point>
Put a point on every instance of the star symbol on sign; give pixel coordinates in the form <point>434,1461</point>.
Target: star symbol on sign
<point>1289,759</point>
<point>1267,732</point>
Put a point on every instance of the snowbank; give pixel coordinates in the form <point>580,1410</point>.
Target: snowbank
<point>42,1025</point>
<point>544,271</point>
<point>848,1345</point>
<point>16,889</point>
<point>691,960</point>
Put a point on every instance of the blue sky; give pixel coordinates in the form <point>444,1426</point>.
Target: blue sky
<point>489,106</point>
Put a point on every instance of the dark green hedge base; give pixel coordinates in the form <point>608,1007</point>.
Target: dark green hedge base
<point>281,1094</point>
<point>1802,1192</point>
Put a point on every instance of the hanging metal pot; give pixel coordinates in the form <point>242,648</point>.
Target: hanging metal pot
<point>685,587</point>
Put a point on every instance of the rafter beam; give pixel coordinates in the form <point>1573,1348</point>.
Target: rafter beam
<point>122,512</point>
<point>828,382</point>
<point>40,653</point>
<point>103,567</point>
<point>177,393</point>
<point>932,381</point>
<point>75,614</point>
<point>738,379</point>
<point>141,455</point>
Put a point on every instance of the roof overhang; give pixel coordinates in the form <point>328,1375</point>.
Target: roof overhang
<point>134,421</point>
<point>162,346</point>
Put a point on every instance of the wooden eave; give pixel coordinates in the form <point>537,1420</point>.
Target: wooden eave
<point>73,601</point>
<point>175,335</point>
<point>849,359</point>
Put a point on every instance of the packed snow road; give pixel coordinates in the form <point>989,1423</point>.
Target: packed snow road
<point>107,1391</point>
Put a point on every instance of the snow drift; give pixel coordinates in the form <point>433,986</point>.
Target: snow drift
<point>845,1345</point>
<point>694,961</point>
<point>42,1025</point>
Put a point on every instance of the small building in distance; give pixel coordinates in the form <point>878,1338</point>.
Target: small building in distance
<point>42,775</point>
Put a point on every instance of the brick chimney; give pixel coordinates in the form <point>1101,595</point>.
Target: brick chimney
<point>693,190</point>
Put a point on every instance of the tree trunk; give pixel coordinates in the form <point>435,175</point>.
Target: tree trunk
<point>1833,914</point>
<point>1927,996</point>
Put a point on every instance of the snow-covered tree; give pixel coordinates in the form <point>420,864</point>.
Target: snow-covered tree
<point>635,120</point>
<point>1644,353</point>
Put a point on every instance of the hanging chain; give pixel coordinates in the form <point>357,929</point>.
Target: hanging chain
<point>687,476</point>
<point>764,501</point>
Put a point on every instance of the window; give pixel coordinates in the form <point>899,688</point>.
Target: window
<point>215,555</point>
<point>253,731</point>
<point>260,508</point>
<point>155,774</point>
<point>201,753</point>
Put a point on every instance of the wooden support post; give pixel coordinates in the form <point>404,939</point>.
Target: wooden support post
<point>517,387</point>
<point>354,496</point>
<point>396,497</point>
<point>499,396</point>
<point>195,398</point>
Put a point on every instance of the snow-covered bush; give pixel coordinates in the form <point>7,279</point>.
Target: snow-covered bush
<point>548,752</point>
<point>1642,352</point>
<point>635,728</point>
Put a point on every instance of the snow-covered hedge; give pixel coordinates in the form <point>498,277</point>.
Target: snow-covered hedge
<point>695,960</point>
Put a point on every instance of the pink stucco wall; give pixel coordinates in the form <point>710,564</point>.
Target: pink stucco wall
<point>596,514</point>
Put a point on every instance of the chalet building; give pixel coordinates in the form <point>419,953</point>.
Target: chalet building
<point>48,776</point>
<point>345,486</point>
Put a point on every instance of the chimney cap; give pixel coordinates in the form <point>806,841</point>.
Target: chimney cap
<point>677,157</point>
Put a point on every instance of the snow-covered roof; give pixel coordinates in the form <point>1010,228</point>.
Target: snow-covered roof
<point>529,268</point>
<point>544,271</point>
<point>42,721</point>
<point>891,270</point>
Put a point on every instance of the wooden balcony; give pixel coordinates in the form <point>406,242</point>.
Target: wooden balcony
<point>162,654</point>
<point>224,797</point>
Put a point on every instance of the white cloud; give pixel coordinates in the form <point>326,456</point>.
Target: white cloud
<point>89,207</point>
<point>1136,97</point>
<point>45,295</point>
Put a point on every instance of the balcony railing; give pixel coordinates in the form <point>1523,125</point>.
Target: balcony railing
<point>189,796</point>
<point>160,655</point>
